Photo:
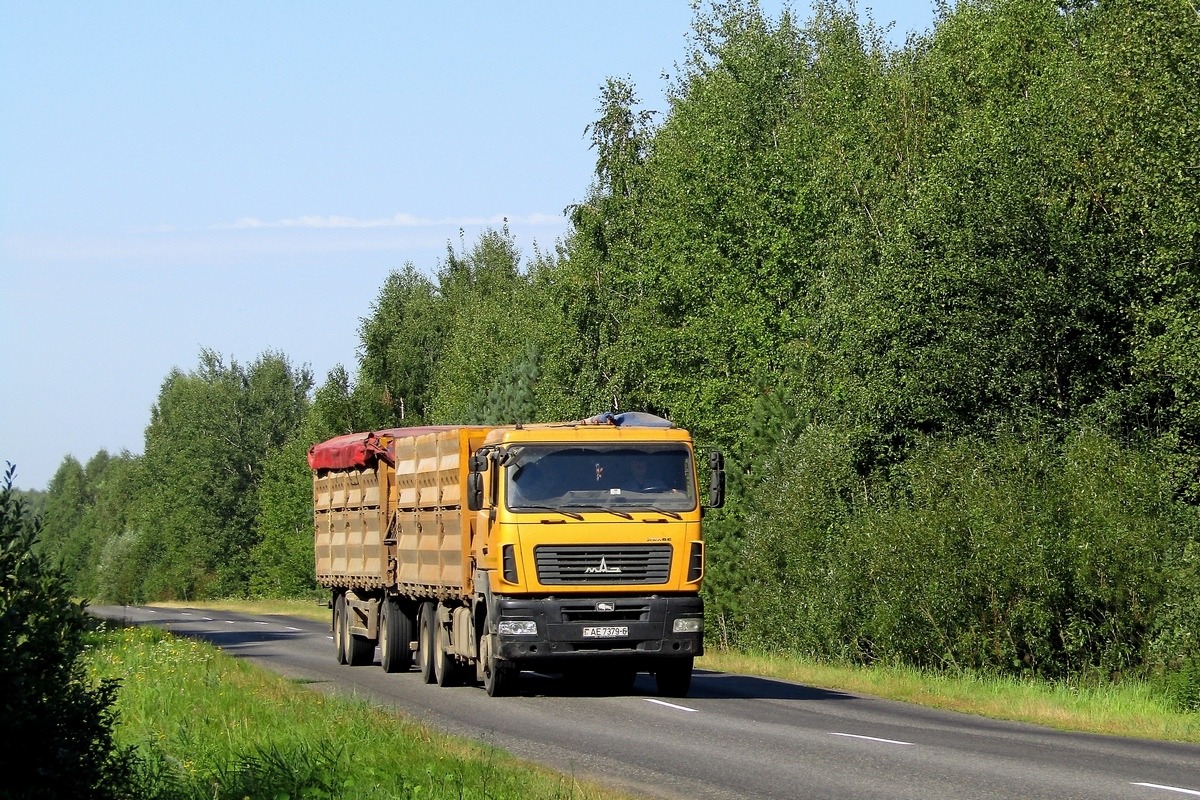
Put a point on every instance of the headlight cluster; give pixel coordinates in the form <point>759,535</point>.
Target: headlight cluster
<point>518,627</point>
<point>688,625</point>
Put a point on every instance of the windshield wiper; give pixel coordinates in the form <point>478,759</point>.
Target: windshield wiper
<point>562,511</point>
<point>620,514</point>
<point>653,510</point>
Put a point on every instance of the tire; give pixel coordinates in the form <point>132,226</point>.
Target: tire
<point>425,622</point>
<point>395,637</point>
<point>357,650</point>
<point>339,639</point>
<point>445,669</point>
<point>674,678</point>
<point>499,677</point>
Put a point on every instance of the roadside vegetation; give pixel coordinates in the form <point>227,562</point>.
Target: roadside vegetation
<point>205,726</point>
<point>938,303</point>
<point>56,722</point>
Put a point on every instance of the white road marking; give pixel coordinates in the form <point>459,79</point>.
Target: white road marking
<point>872,739</point>
<point>207,619</point>
<point>1189,792</point>
<point>290,628</point>
<point>669,705</point>
<point>260,622</point>
<point>186,613</point>
<point>229,622</point>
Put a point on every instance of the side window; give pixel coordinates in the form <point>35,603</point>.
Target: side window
<point>492,493</point>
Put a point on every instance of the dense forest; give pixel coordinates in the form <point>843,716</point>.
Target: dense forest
<point>939,303</point>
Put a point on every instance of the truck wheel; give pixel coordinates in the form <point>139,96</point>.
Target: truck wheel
<point>444,668</point>
<point>499,677</point>
<point>425,622</point>
<point>357,650</point>
<point>339,641</point>
<point>674,677</point>
<point>395,637</point>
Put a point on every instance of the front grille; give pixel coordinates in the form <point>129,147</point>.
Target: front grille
<point>589,613</point>
<point>603,564</point>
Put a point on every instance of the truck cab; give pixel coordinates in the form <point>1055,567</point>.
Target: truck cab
<point>593,554</point>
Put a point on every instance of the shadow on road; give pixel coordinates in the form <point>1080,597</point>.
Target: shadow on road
<point>719,685</point>
<point>706,685</point>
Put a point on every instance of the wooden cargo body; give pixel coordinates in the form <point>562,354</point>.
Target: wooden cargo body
<point>397,521</point>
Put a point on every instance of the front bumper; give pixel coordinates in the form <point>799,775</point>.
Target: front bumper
<point>649,622</point>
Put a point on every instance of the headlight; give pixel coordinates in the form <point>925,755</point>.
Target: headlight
<point>518,627</point>
<point>688,625</point>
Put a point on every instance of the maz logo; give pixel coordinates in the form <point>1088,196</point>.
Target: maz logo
<point>603,569</point>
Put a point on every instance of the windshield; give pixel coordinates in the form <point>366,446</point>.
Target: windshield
<point>614,478</point>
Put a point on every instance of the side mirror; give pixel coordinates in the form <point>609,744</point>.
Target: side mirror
<point>474,491</point>
<point>716,480</point>
<point>476,466</point>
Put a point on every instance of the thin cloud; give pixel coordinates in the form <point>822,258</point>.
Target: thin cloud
<point>252,236</point>
<point>401,220</point>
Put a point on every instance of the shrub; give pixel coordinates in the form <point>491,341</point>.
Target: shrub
<point>57,729</point>
<point>1025,556</point>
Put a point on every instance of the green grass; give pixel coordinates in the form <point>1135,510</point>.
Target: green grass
<point>1129,708</point>
<point>207,725</point>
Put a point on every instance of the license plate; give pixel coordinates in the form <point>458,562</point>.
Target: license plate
<point>605,632</point>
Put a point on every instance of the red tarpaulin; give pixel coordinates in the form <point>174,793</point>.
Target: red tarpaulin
<point>356,450</point>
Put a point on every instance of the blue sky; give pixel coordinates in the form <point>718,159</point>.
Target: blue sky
<point>242,176</point>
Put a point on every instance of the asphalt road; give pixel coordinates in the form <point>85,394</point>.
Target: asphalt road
<point>735,736</point>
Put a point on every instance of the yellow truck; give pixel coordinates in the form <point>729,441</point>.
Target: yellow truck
<point>480,551</point>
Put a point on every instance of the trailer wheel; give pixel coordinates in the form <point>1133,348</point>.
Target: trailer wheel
<point>356,650</point>
<point>674,677</point>
<point>339,641</point>
<point>425,622</point>
<point>395,637</point>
